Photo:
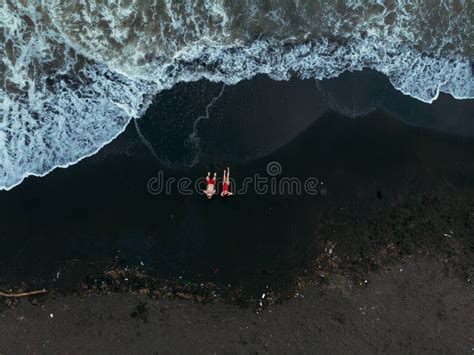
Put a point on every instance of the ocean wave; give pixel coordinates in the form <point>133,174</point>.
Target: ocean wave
<point>71,84</point>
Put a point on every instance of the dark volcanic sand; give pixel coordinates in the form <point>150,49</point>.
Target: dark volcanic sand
<point>397,197</point>
<point>419,309</point>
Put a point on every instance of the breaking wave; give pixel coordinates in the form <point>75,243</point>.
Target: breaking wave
<point>75,73</point>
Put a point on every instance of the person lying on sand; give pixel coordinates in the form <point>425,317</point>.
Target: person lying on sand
<point>211,185</point>
<point>226,184</point>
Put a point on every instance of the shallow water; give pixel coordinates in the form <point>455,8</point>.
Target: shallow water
<point>75,73</point>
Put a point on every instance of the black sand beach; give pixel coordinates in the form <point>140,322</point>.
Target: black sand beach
<point>413,307</point>
<point>380,259</point>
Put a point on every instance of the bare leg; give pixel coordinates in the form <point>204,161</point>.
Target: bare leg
<point>228,181</point>
<point>223,182</point>
<point>207,181</point>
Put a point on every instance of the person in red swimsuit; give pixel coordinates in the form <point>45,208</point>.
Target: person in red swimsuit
<point>226,184</point>
<point>211,185</point>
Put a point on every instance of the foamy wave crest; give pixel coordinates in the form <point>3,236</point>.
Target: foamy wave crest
<point>57,107</point>
<point>75,73</point>
<point>422,77</point>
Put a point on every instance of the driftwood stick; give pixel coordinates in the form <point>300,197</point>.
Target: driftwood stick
<point>22,294</point>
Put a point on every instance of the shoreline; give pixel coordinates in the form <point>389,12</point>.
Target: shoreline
<point>398,197</point>
<point>393,101</point>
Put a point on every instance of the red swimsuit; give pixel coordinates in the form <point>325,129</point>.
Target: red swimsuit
<point>225,188</point>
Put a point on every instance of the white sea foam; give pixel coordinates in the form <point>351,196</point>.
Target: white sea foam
<point>66,93</point>
<point>57,107</point>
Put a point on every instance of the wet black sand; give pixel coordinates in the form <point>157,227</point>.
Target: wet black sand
<point>396,197</point>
